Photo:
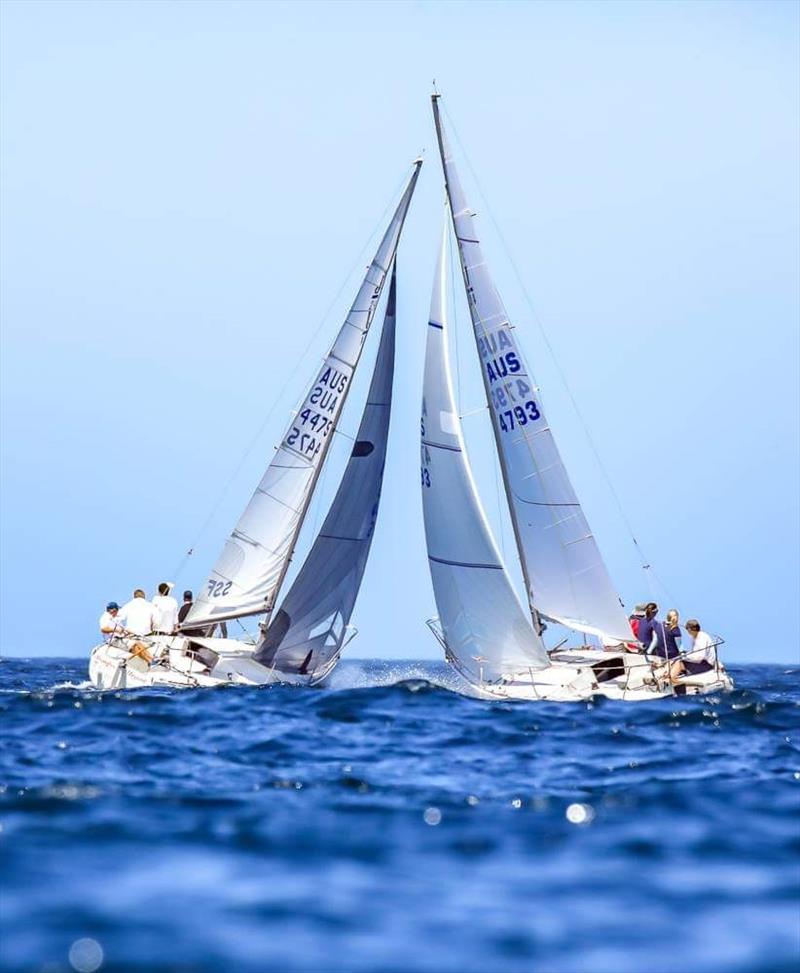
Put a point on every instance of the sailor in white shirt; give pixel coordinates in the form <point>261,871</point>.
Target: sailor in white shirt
<point>166,609</point>
<point>139,616</point>
<point>110,624</point>
<point>702,656</point>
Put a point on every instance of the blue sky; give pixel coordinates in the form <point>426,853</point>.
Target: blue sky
<point>187,186</point>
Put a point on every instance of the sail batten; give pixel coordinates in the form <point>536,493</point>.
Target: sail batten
<point>481,618</point>
<point>248,573</point>
<point>565,576</point>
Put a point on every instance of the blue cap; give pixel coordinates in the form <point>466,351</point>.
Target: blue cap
<point>110,605</point>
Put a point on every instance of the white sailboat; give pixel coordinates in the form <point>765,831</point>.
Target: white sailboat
<point>566,580</point>
<point>302,641</point>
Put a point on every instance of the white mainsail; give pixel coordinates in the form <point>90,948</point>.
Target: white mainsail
<point>308,630</point>
<point>253,563</point>
<point>565,576</point>
<point>484,626</point>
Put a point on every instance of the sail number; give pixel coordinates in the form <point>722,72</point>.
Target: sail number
<point>315,420</point>
<point>303,442</point>
<point>218,588</point>
<point>425,452</point>
<point>520,415</point>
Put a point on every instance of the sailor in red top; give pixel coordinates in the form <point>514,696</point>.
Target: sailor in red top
<point>634,619</point>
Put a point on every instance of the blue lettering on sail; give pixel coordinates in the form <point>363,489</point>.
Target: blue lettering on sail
<point>325,396</point>
<point>490,344</point>
<point>519,415</point>
<point>334,379</point>
<point>501,367</point>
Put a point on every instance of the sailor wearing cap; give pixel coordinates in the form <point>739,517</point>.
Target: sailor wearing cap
<point>166,609</point>
<point>110,625</point>
<point>186,607</point>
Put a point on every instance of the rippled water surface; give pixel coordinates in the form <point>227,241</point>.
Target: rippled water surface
<point>387,823</point>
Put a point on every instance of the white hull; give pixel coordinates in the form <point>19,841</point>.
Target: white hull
<point>578,674</point>
<point>556,683</point>
<point>219,662</point>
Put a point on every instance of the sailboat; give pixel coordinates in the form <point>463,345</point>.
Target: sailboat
<point>498,648</point>
<point>302,640</point>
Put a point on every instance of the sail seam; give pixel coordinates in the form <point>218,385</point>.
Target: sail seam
<point>543,503</point>
<point>337,537</point>
<point>464,564</point>
<point>266,493</point>
<point>453,449</point>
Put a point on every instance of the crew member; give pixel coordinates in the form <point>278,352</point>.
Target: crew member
<point>186,607</point>
<point>651,632</point>
<point>702,656</point>
<point>166,610</point>
<point>110,625</point>
<point>635,619</point>
<point>139,618</point>
<point>672,631</point>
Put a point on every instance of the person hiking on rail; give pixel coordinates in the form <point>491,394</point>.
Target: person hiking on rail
<point>702,656</point>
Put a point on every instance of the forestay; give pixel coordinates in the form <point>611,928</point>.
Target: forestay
<point>566,578</point>
<point>308,630</point>
<point>484,625</point>
<point>251,567</point>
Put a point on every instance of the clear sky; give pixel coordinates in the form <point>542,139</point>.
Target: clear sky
<point>187,186</point>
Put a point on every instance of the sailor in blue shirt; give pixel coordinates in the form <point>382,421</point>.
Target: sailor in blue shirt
<point>651,632</point>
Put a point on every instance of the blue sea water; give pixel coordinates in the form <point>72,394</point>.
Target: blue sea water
<point>388,824</point>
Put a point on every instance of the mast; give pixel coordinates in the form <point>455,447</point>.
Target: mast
<point>253,563</point>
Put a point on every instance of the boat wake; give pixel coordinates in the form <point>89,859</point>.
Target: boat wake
<point>83,686</point>
<point>410,675</point>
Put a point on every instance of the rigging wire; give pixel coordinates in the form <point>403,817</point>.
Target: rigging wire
<point>646,566</point>
<point>290,378</point>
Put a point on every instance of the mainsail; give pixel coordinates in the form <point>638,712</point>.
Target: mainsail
<point>484,626</point>
<point>252,565</point>
<point>308,630</point>
<point>565,576</point>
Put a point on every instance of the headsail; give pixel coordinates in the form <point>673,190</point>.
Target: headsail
<point>565,575</point>
<point>252,565</point>
<point>310,627</point>
<point>484,625</point>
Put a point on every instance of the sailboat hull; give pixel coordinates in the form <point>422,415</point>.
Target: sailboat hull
<point>182,663</point>
<point>580,674</point>
<point>555,683</point>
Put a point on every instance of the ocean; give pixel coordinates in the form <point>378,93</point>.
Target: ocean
<point>388,824</point>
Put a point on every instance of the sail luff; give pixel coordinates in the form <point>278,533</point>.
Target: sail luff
<point>253,564</point>
<point>565,576</point>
